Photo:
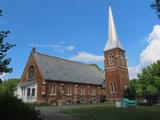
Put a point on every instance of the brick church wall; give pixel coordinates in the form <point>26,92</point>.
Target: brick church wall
<point>76,96</point>
<point>43,88</point>
<point>116,73</point>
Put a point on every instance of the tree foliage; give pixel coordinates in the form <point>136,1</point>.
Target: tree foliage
<point>4,47</point>
<point>130,92</point>
<point>149,79</point>
<point>147,85</point>
<point>156,5</point>
<point>8,86</point>
<point>12,108</point>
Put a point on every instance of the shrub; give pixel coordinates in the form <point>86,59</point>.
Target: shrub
<point>14,109</point>
<point>129,93</point>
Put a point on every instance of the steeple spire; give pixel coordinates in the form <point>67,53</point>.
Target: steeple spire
<point>113,40</point>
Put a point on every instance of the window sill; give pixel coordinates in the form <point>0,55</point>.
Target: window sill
<point>52,94</point>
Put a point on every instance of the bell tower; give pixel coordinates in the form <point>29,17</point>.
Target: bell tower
<point>116,70</point>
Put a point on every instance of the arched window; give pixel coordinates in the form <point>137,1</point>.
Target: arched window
<point>113,87</point>
<point>121,59</point>
<point>111,59</point>
<point>31,73</point>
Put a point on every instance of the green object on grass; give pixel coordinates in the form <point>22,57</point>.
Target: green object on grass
<point>128,103</point>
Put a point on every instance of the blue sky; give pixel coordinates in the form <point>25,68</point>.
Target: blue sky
<point>73,28</point>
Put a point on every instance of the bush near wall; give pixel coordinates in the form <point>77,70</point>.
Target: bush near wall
<point>12,108</point>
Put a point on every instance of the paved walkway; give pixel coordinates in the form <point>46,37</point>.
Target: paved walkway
<point>54,113</point>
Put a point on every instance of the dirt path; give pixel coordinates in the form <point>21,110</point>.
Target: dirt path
<point>54,113</point>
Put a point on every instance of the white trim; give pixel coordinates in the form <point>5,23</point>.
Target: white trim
<point>21,93</point>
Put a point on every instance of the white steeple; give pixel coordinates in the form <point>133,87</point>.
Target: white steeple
<point>113,40</point>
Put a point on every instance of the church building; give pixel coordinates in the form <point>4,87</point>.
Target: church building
<point>49,79</point>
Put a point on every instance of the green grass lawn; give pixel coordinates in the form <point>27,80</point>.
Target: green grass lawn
<point>109,112</point>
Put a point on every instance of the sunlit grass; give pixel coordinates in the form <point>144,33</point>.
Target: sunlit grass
<point>109,112</point>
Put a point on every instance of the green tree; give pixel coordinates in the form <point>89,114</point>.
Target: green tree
<point>130,92</point>
<point>138,88</point>
<point>8,86</point>
<point>4,47</point>
<point>150,78</point>
<point>156,5</point>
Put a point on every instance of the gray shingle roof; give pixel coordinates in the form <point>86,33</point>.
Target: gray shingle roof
<point>58,69</point>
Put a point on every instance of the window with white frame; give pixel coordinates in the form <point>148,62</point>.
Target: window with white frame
<point>28,92</point>
<point>82,91</point>
<point>69,90</point>
<point>33,91</point>
<point>52,89</point>
<point>23,91</point>
<point>111,59</point>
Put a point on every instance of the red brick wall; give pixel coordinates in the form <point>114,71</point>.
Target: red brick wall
<point>64,98</point>
<point>116,73</point>
<point>38,77</point>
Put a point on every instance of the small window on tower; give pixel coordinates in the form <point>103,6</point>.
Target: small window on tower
<point>111,59</point>
<point>121,59</point>
<point>111,88</point>
<point>115,89</point>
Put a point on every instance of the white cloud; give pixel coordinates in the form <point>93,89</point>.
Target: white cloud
<point>134,70</point>
<point>150,54</point>
<point>55,47</point>
<point>87,57</point>
<point>71,47</point>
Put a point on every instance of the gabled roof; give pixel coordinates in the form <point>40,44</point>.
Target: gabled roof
<point>58,69</point>
<point>113,39</point>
